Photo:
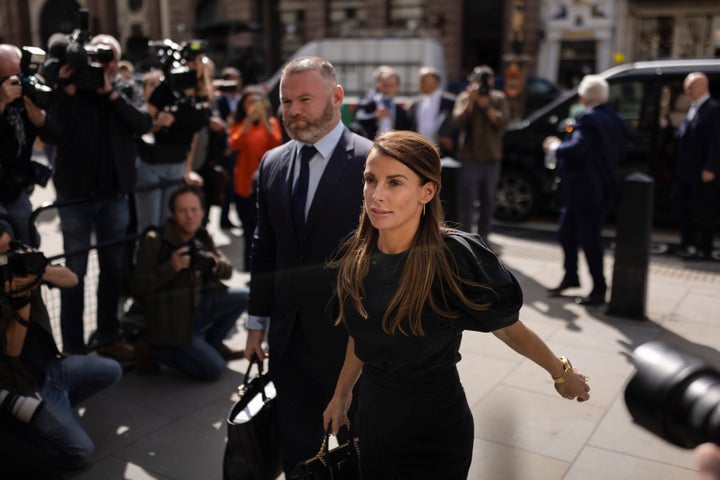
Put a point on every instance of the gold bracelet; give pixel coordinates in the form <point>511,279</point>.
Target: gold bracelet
<point>566,373</point>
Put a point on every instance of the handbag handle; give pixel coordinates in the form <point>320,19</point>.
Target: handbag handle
<point>325,446</point>
<point>263,378</point>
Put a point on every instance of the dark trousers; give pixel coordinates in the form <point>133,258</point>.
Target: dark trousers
<point>304,386</point>
<point>108,219</point>
<point>582,227</point>
<point>695,207</point>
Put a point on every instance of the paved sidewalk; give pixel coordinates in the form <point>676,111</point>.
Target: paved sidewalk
<point>167,427</point>
<point>164,426</point>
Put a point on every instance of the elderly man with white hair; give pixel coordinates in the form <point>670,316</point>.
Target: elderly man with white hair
<point>587,163</point>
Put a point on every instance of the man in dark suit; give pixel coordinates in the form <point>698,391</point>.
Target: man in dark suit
<point>587,163</point>
<point>380,112</point>
<point>430,114</point>
<point>309,198</point>
<point>697,156</point>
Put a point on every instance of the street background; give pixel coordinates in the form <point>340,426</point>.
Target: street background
<point>165,426</point>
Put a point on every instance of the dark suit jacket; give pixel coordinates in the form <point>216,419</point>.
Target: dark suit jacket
<point>447,128</point>
<point>369,126</point>
<point>588,158</point>
<point>697,143</point>
<point>289,280</point>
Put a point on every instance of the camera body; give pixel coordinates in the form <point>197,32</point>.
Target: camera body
<point>674,395</point>
<point>21,260</point>
<point>85,60</point>
<point>172,59</point>
<point>482,75</point>
<point>23,407</point>
<point>200,259</point>
<point>33,85</point>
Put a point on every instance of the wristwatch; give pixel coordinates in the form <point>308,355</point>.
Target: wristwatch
<point>566,373</point>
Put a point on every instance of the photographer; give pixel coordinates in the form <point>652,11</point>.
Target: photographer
<point>481,115</point>
<point>189,312</point>
<point>20,122</point>
<point>100,119</point>
<point>180,108</point>
<point>39,387</point>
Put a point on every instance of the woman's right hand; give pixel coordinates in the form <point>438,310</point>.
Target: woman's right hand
<point>335,414</point>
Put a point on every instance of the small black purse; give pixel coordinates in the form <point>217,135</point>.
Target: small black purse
<point>340,463</point>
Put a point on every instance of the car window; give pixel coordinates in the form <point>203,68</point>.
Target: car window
<point>626,98</point>
<point>539,86</point>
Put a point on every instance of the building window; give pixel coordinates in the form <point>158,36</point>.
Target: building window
<point>677,36</point>
<point>407,14</point>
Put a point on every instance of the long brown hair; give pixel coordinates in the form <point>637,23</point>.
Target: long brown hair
<point>428,256</point>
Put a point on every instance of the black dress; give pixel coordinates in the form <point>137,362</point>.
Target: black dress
<point>413,418</point>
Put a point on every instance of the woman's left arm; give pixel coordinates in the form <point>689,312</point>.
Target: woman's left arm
<point>335,414</point>
<point>569,382</point>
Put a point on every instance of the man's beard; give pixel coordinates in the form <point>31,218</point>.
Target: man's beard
<point>313,129</point>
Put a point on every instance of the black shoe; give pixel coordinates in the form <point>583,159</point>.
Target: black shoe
<point>564,285</point>
<point>591,301</point>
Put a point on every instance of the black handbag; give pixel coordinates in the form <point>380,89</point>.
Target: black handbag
<point>253,448</point>
<point>340,463</point>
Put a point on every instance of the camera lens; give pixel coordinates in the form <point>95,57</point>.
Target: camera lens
<point>675,395</point>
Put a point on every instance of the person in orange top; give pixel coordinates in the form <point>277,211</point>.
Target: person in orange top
<point>254,132</point>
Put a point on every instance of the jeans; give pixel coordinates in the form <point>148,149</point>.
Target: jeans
<point>478,181</point>
<point>215,316</point>
<point>108,218</point>
<point>56,431</point>
<point>15,214</point>
<point>152,205</point>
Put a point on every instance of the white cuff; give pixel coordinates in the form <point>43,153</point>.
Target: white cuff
<point>255,322</point>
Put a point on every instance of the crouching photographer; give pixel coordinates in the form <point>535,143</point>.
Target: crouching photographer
<point>676,396</point>
<point>21,121</point>
<point>39,387</point>
<point>188,310</point>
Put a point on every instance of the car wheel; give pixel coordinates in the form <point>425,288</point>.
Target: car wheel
<point>516,196</point>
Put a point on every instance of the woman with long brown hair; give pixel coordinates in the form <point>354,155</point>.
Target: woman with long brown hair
<point>407,286</point>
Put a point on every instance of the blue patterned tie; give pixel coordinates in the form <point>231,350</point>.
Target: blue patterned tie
<point>300,192</point>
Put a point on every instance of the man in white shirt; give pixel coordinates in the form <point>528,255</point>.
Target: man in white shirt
<point>431,112</point>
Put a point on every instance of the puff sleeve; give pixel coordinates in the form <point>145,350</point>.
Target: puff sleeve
<point>502,292</point>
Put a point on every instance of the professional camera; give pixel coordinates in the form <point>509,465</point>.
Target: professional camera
<point>481,75</point>
<point>85,60</point>
<point>172,60</point>
<point>23,407</point>
<point>21,260</point>
<point>33,85</point>
<point>674,395</point>
<point>200,259</point>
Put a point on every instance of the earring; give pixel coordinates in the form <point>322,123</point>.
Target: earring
<point>424,209</point>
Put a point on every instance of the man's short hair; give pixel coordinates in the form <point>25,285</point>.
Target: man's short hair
<point>311,64</point>
<point>479,71</point>
<point>594,89</point>
<point>431,71</point>
<point>105,39</point>
<point>182,190</point>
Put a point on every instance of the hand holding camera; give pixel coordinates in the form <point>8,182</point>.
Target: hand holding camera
<point>10,90</point>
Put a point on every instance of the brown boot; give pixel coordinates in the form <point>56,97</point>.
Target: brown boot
<point>229,354</point>
<point>120,350</point>
<point>145,364</point>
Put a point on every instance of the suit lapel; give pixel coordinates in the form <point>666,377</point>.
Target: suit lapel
<point>338,162</point>
<point>288,157</point>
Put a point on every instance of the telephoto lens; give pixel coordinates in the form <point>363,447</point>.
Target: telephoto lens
<point>24,408</point>
<point>675,395</point>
